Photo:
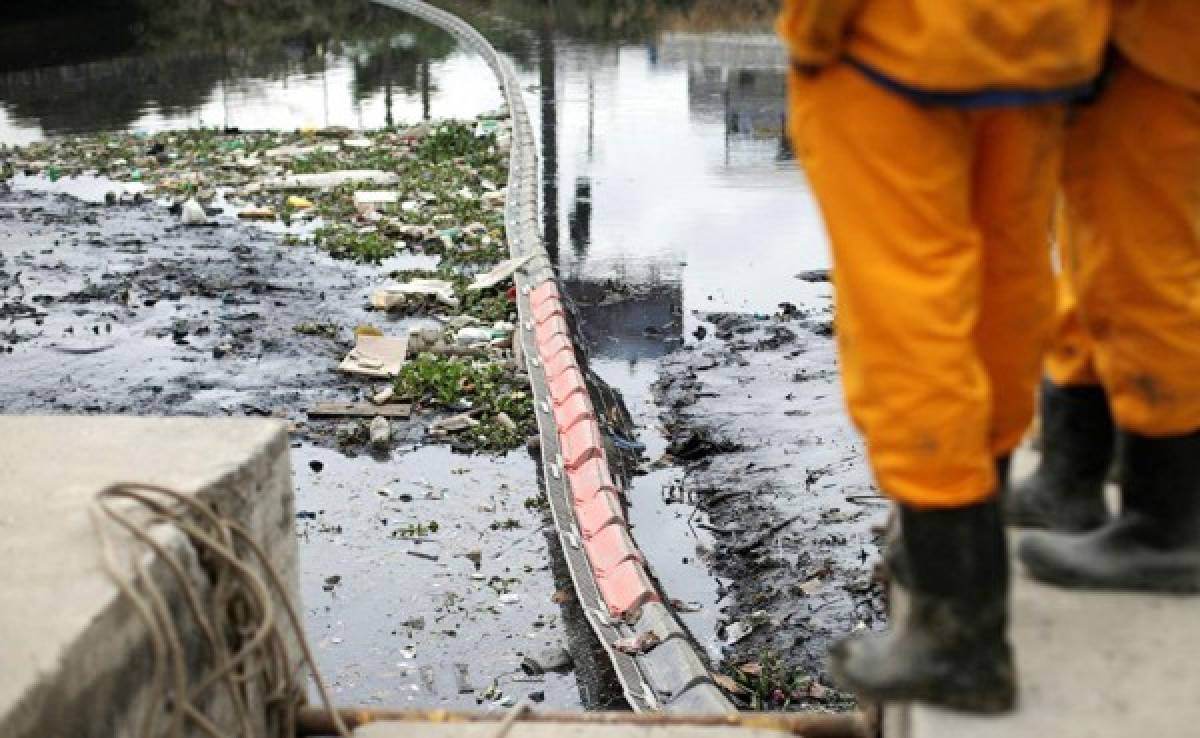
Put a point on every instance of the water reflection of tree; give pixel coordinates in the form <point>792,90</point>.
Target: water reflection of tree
<point>172,54</point>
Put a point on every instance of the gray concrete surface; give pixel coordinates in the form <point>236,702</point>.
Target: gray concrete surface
<point>75,659</point>
<point>1090,665</point>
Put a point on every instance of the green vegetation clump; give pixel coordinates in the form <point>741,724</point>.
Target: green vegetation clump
<point>489,390</point>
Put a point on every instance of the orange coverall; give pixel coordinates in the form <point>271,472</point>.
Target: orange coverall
<point>1129,293</point>
<point>931,137</point>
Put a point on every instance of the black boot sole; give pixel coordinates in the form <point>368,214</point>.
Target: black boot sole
<point>1075,562</point>
<point>985,696</point>
<point>1027,508</point>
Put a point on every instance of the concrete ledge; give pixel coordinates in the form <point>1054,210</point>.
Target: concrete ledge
<point>550,730</point>
<point>1090,665</point>
<point>76,660</point>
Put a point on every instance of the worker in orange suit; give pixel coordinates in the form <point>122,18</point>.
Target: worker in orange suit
<point>931,135</point>
<point>1066,490</point>
<point>1131,264</point>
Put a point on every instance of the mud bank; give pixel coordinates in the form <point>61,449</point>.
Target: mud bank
<point>121,310</point>
<point>773,472</point>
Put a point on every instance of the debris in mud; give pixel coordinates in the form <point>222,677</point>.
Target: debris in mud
<point>381,433</point>
<point>548,660</point>
<point>488,389</point>
<point>814,275</point>
<point>379,357</point>
<point>359,410</point>
<point>792,571</point>
<point>699,444</point>
<point>639,644</point>
<point>192,213</point>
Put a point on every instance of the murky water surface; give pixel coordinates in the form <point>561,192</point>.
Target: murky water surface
<point>668,189</point>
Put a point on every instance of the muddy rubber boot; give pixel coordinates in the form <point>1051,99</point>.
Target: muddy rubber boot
<point>1066,492</point>
<point>893,547</point>
<point>1154,543</point>
<point>952,648</point>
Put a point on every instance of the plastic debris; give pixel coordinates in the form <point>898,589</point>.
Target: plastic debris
<point>473,337</point>
<point>369,201</point>
<point>376,356</point>
<point>392,296</point>
<point>329,180</point>
<point>381,433</point>
<point>425,337</point>
<point>454,424</point>
<point>383,396</point>
<point>299,203</point>
<point>193,213</point>
<point>502,271</point>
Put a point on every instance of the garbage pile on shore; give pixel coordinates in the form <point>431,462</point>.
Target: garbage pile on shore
<point>435,189</point>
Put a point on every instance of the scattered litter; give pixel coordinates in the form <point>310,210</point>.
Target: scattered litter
<point>737,632</point>
<point>506,421</point>
<point>453,424</point>
<point>637,645</point>
<point>462,679</point>
<point>383,396</point>
<point>423,555</point>
<point>550,660</point>
<point>358,410</point>
<point>502,271</point>
<point>814,275</point>
<point>388,298</point>
<point>299,203</point>
<point>471,336</point>
<point>331,582</point>
<point>192,213</point>
<point>316,465</point>
<point>381,433</point>
<point>259,213</point>
<point>414,623</point>
<point>329,180</point>
<point>425,337</point>
<point>368,201</point>
<point>376,356</point>
<point>357,143</point>
<point>510,598</point>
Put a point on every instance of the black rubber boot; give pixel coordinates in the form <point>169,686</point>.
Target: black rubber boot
<point>1066,492</point>
<point>1153,545</point>
<point>893,548</point>
<point>952,648</point>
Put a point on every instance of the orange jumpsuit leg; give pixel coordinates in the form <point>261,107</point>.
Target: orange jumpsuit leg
<point>926,209</point>
<point>1070,361</point>
<point>1132,185</point>
<point>1016,182</point>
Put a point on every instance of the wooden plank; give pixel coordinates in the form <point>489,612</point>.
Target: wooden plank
<point>358,410</point>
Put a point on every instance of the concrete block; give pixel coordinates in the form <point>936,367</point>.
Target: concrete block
<point>1090,665</point>
<point>672,667</point>
<point>701,699</point>
<point>76,658</point>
